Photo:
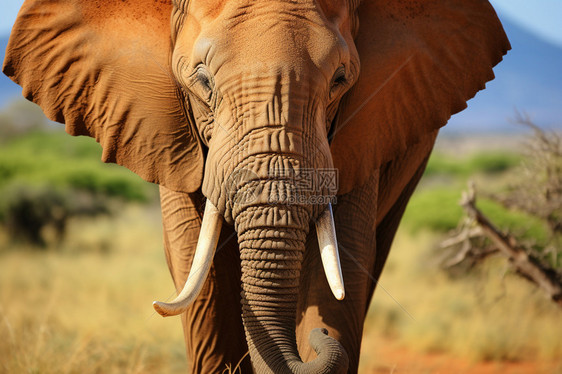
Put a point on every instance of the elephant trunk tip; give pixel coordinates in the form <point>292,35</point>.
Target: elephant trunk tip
<point>332,357</point>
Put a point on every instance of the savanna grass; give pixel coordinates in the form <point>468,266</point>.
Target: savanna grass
<point>86,307</point>
<point>489,315</point>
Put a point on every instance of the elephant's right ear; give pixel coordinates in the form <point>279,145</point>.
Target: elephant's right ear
<point>420,62</point>
<point>103,69</point>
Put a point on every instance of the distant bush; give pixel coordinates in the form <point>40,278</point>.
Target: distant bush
<point>523,223</point>
<point>56,159</point>
<point>494,162</point>
<point>435,209</point>
<point>28,211</point>
<point>48,177</point>
<point>438,209</point>
<point>486,163</point>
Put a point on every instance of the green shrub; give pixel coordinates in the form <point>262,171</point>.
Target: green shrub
<point>524,225</point>
<point>56,159</point>
<point>438,209</point>
<point>484,163</point>
<point>27,211</point>
<point>46,178</point>
<point>494,162</point>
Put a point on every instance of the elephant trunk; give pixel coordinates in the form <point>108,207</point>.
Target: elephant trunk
<point>272,242</point>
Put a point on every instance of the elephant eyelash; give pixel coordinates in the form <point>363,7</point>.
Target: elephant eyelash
<point>204,80</point>
<point>201,85</point>
<point>339,77</point>
<point>339,80</point>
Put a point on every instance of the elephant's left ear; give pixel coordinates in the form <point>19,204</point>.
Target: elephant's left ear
<point>103,69</point>
<point>420,62</point>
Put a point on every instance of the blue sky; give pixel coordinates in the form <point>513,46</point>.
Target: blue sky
<point>540,16</point>
<point>543,17</point>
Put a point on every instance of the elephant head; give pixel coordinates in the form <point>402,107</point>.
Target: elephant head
<point>246,101</point>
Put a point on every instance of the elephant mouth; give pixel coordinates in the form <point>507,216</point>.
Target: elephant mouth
<point>207,244</point>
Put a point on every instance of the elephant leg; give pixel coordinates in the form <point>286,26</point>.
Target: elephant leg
<point>398,180</point>
<point>355,218</point>
<point>366,221</point>
<point>212,325</point>
<point>387,227</point>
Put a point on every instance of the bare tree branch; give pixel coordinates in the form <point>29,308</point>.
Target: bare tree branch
<point>527,265</point>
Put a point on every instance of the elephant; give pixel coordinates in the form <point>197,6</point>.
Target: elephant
<point>286,138</point>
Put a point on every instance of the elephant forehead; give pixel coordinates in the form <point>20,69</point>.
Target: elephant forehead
<point>271,32</point>
<point>330,9</point>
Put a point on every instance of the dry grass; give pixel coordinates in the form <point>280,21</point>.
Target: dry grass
<point>86,307</point>
<point>488,316</point>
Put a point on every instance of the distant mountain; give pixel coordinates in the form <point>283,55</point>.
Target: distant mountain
<point>529,80</point>
<point>9,91</point>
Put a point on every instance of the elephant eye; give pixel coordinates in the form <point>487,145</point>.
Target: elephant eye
<point>338,81</point>
<point>203,83</point>
<point>204,79</point>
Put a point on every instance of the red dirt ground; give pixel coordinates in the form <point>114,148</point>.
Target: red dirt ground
<point>385,357</point>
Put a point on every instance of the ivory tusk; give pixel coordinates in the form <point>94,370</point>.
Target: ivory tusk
<point>202,260</point>
<point>328,244</point>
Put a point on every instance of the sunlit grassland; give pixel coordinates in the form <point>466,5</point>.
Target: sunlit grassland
<point>488,315</point>
<point>86,307</point>
<point>435,205</point>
